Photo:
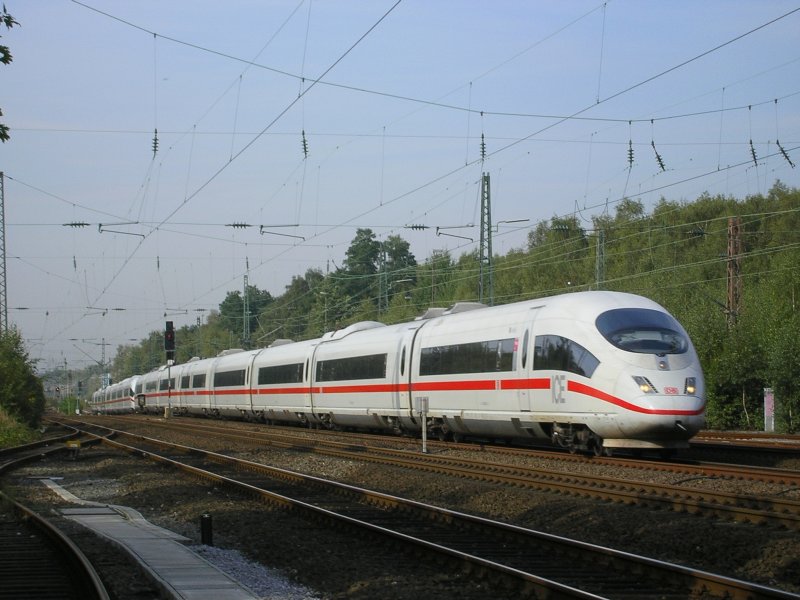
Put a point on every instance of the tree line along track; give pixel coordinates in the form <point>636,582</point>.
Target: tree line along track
<point>523,560</point>
<point>776,509</point>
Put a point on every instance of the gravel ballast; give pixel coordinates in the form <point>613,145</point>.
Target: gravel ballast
<point>308,559</point>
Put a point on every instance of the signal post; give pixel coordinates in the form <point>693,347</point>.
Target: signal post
<point>169,348</point>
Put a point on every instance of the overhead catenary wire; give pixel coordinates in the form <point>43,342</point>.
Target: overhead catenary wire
<point>304,79</point>
<point>383,139</point>
<point>222,168</point>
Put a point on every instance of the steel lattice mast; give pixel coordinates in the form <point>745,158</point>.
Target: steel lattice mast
<point>485,258</point>
<point>3,286</point>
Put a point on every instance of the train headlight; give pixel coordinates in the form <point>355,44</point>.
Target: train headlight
<point>691,386</point>
<point>644,385</point>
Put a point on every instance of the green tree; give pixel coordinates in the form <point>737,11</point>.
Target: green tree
<point>558,257</point>
<point>21,391</point>
<point>289,315</point>
<point>400,263</point>
<point>357,277</point>
<point>434,280</point>
<point>231,309</point>
<point>784,364</point>
<point>5,58</point>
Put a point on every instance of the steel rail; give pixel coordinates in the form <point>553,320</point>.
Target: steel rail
<point>778,511</point>
<point>478,554</point>
<point>789,477</point>
<point>23,570</point>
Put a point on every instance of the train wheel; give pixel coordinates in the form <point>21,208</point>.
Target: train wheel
<point>596,447</point>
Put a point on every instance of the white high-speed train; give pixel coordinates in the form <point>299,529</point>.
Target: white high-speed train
<point>588,370</point>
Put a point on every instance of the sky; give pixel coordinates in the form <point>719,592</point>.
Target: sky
<point>281,127</point>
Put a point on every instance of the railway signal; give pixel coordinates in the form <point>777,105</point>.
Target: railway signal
<point>169,341</point>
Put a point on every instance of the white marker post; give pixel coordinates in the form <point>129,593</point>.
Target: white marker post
<point>769,410</point>
<point>422,410</point>
<point>168,407</point>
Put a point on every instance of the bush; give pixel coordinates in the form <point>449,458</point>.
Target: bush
<point>21,391</point>
<point>12,432</point>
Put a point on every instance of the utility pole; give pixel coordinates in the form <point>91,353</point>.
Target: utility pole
<point>383,281</point>
<point>3,288</point>
<point>246,315</point>
<point>486,265</point>
<point>733,304</point>
<point>600,259</point>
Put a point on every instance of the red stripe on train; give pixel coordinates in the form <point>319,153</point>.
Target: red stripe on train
<point>580,388</point>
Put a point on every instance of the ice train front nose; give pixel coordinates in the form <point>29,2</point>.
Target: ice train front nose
<point>674,417</point>
<point>658,420</point>
<point>658,380</point>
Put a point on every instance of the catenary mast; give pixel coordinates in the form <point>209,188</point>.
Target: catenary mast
<point>3,286</point>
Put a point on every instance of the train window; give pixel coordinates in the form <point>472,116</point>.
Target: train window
<point>184,382</point>
<point>152,386</point>
<point>139,387</point>
<point>643,330</point>
<point>166,384</point>
<point>353,367</point>
<point>474,357</point>
<point>199,380</point>
<point>281,374</point>
<point>525,348</point>
<point>557,353</point>
<point>229,378</point>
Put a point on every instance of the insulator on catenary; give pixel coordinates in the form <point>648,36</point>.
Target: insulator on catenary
<point>784,153</point>
<point>659,160</point>
<point>753,153</point>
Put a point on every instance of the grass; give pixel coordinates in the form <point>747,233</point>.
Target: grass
<point>14,433</point>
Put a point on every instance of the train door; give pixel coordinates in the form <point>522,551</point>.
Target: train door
<point>310,383</point>
<point>251,383</point>
<point>213,407</point>
<point>525,351</point>
<point>524,394</point>
<point>401,400</point>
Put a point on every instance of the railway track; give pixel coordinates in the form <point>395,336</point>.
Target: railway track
<point>756,438</point>
<point>523,559</point>
<point>37,561</point>
<point>778,509</point>
<point>753,448</point>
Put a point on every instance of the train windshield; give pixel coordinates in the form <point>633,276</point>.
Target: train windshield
<point>643,330</point>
